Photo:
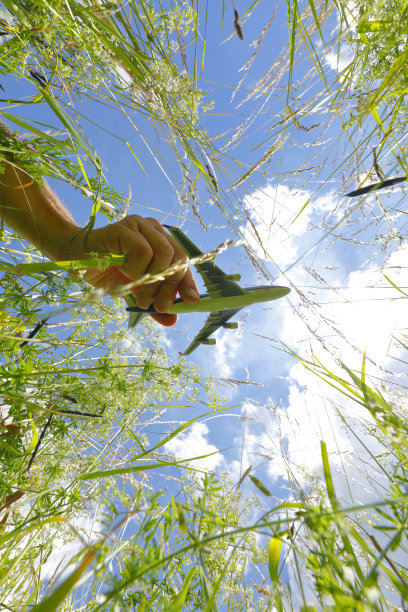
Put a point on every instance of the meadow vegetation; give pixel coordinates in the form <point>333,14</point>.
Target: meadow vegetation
<point>94,513</point>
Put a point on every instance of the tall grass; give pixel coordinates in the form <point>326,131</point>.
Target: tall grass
<point>161,532</point>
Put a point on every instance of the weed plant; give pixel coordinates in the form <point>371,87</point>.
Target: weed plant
<point>95,515</point>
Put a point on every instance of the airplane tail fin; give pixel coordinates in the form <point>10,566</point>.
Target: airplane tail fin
<point>134,316</point>
<point>186,244</point>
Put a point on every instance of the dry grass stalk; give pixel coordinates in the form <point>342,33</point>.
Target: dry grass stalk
<point>279,142</point>
<point>147,279</point>
<point>257,45</point>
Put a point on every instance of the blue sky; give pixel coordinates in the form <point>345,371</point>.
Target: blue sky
<point>340,303</point>
<point>298,253</point>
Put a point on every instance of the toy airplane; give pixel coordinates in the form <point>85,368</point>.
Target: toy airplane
<point>224,298</point>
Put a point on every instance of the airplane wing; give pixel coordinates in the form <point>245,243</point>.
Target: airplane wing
<point>218,284</point>
<point>213,322</point>
<point>134,317</point>
<point>216,281</point>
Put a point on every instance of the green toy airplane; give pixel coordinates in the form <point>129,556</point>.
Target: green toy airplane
<point>224,298</point>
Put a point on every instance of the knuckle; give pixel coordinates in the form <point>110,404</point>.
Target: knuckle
<point>152,220</point>
<point>145,252</point>
<point>180,255</point>
<point>166,250</point>
<point>130,221</point>
<point>133,217</point>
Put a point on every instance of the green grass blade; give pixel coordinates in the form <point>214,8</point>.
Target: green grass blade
<point>395,286</point>
<point>249,9</point>
<point>315,17</point>
<point>101,259</point>
<point>143,467</point>
<point>136,158</point>
<point>328,477</point>
<point>73,130</point>
<point>173,434</point>
<point>207,591</point>
<point>178,601</point>
<point>23,531</point>
<point>65,144</point>
<point>34,441</point>
<point>274,551</point>
<point>10,449</point>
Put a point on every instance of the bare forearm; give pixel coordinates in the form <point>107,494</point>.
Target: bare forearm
<point>35,212</point>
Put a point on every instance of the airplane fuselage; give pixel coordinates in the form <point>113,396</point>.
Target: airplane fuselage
<point>251,295</point>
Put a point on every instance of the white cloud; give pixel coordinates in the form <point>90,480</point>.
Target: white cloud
<point>339,60</point>
<point>286,439</point>
<point>275,229</point>
<point>225,352</point>
<point>337,315</point>
<point>165,340</point>
<point>89,529</point>
<point>194,443</point>
<point>360,313</point>
<point>375,310</point>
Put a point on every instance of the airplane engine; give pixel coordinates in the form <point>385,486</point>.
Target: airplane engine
<point>230,325</point>
<point>209,341</point>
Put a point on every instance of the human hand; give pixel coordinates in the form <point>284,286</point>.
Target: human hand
<point>148,249</point>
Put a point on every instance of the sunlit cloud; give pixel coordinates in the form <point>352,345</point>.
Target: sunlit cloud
<point>285,440</point>
<point>336,315</point>
<point>89,529</point>
<point>225,352</point>
<point>165,340</point>
<point>359,313</point>
<point>194,443</point>
<point>339,60</point>
<point>275,227</point>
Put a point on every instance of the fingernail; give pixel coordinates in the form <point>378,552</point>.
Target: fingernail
<point>192,293</point>
<point>164,307</point>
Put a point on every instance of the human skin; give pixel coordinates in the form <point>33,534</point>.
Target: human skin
<point>38,216</point>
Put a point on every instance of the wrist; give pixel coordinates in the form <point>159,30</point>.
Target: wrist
<point>35,212</point>
<point>60,241</point>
